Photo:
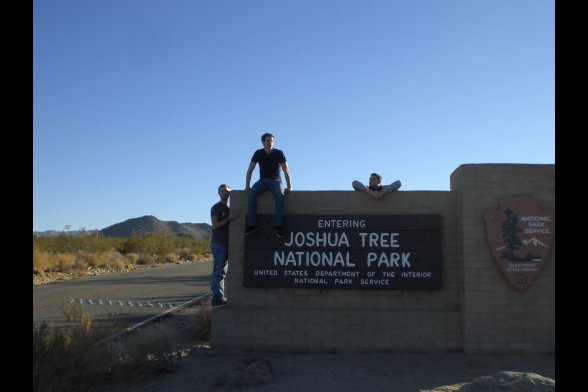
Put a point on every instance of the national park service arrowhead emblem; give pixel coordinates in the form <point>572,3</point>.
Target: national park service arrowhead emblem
<point>520,235</point>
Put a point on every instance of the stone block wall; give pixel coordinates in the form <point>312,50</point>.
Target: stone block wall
<point>475,311</point>
<point>497,318</point>
<point>339,320</point>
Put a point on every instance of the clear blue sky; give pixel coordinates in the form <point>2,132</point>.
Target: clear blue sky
<point>144,107</point>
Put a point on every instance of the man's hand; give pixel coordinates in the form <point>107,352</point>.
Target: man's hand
<point>287,191</point>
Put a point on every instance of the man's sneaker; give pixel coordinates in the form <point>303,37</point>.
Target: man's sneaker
<point>218,304</point>
<point>250,230</point>
<point>279,232</point>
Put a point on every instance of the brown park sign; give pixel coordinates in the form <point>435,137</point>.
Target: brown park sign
<point>520,235</point>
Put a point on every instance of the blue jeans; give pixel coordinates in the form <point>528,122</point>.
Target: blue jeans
<point>262,185</point>
<point>220,254</point>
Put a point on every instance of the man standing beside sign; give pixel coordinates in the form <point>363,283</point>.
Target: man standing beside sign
<point>219,244</point>
<point>270,160</point>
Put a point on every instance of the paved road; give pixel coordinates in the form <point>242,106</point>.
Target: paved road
<point>130,296</point>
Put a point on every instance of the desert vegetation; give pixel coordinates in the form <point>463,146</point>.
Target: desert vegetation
<point>81,254</point>
<point>80,357</point>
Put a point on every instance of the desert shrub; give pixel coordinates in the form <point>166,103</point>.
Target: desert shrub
<point>156,346</point>
<point>81,357</point>
<point>65,243</point>
<point>93,259</point>
<point>192,257</point>
<point>66,253</point>
<point>131,258</point>
<point>184,252</point>
<point>80,267</point>
<point>67,360</point>
<point>41,262</point>
<point>71,312</point>
<point>169,258</point>
<point>96,243</point>
<point>154,245</point>
<point>145,260</point>
<point>62,262</point>
<point>203,323</point>
<point>114,260</point>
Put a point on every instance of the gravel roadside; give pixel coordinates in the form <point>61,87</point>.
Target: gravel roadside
<point>342,372</point>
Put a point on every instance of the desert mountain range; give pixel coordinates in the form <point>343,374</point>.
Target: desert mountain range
<point>147,224</point>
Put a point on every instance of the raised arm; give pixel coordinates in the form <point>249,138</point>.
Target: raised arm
<point>248,176</point>
<point>288,180</point>
<point>217,224</point>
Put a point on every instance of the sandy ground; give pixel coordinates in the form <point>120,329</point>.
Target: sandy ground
<point>341,372</point>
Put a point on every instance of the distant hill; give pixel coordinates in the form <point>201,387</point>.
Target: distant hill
<point>139,226</point>
<point>55,233</point>
<point>151,225</point>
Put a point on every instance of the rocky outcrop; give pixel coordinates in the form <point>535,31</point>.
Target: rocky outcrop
<point>503,382</point>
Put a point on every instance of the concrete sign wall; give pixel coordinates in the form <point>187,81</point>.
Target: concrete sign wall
<point>434,284</point>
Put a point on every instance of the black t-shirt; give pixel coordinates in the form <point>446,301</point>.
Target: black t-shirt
<point>220,210</point>
<point>269,164</point>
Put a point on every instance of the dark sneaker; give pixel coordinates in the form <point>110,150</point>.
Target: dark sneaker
<point>279,232</point>
<point>250,230</point>
<point>218,304</point>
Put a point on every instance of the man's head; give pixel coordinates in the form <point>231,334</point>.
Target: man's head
<point>375,179</point>
<point>224,191</point>
<point>267,139</point>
